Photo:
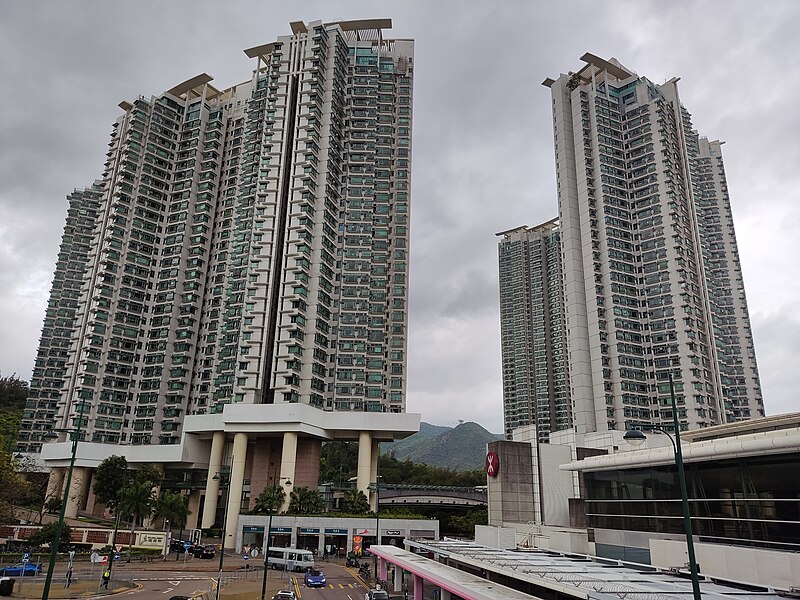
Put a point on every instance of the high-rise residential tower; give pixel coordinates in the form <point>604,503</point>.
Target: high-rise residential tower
<point>533,330</point>
<point>245,246</point>
<point>652,284</point>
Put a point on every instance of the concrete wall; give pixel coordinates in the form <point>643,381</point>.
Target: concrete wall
<point>496,537</point>
<point>557,485</point>
<point>749,565</point>
<point>511,493</point>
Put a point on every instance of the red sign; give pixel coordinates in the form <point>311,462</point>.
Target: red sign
<point>492,464</point>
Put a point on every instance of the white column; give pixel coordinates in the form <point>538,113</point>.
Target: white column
<point>398,579</point>
<point>74,496</point>
<point>148,522</point>
<point>444,594</point>
<point>194,506</point>
<point>364,463</point>
<point>239,456</point>
<point>55,484</point>
<point>212,486</point>
<point>288,464</point>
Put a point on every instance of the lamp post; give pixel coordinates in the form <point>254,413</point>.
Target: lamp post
<point>217,477</point>
<point>267,542</point>
<point>377,515</point>
<point>635,437</point>
<point>75,435</point>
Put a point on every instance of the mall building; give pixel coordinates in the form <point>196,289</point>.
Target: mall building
<point>596,495</point>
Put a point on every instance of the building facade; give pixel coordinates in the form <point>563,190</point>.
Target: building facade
<point>533,330</point>
<point>742,492</point>
<point>652,284</point>
<point>245,247</point>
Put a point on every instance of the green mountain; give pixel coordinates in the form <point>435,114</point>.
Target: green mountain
<point>461,448</point>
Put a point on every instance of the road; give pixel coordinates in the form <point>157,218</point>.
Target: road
<point>342,584</point>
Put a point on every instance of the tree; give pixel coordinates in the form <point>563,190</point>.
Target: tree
<point>174,508</point>
<point>338,461</point>
<point>13,392</point>
<point>110,478</point>
<point>304,501</point>
<point>136,501</point>
<point>355,502</point>
<point>53,505</point>
<point>13,486</point>
<point>270,500</point>
<point>47,535</point>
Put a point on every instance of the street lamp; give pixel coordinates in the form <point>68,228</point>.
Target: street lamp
<point>267,542</point>
<point>636,438</point>
<point>75,435</point>
<point>224,532</point>
<point>377,518</point>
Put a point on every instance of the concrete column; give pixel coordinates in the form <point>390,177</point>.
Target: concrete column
<point>75,495</point>
<point>364,463</point>
<point>148,521</point>
<point>239,457</point>
<point>398,579</point>
<point>55,483</point>
<point>288,464</point>
<point>382,571</point>
<point>194,506</point>
<point>444,594</point>
<point>418,587</point>
<point>212,486</point>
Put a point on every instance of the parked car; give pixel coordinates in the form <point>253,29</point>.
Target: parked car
<point>315,578</point>
<point>21,569</point>
<point>207,551</point>
<point>284,595</point>
<point>376,595</point>
<point>180,546</point>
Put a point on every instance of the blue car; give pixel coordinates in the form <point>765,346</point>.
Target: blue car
<point>21,569</point>
<point>315,578</point>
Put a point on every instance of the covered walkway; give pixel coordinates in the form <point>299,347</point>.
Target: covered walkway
<point>451,583</point>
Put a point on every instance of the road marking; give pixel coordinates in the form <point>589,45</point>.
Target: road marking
<point>168,590</point>
<point>176,583</point>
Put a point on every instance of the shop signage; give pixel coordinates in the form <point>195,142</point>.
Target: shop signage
<point>254,529</point>
<point>336,532</point>
<point>391,532</point>
<point>309,530</point>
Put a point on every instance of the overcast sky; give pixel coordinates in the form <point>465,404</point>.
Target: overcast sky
<point>483,147</point>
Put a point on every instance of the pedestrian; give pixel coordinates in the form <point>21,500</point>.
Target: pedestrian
<point>106,578</point>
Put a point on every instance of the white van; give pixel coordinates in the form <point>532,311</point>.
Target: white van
<point>291,558</point>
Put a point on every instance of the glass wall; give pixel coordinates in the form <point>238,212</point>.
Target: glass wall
<point>751,501</point>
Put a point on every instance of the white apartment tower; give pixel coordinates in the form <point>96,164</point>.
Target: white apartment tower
<point>651,273</point>
<point>533,331</point>
<point>246,245</point>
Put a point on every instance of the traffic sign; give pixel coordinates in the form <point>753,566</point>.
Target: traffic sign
<point>26,557</point>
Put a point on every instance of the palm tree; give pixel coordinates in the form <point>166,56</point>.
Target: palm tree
<point>270,500</point>
<point>355,502</point>
<point>172,507</point>
<point>136,501</point>
<point>306,502</point>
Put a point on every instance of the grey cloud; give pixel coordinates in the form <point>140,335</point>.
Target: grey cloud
<point>483,149</point>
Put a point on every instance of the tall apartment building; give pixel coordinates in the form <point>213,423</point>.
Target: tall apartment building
<point>533,330</point>
<point>652,284</point>
<point>246,245</point>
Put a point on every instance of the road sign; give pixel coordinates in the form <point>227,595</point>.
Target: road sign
<point>26,557</point>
